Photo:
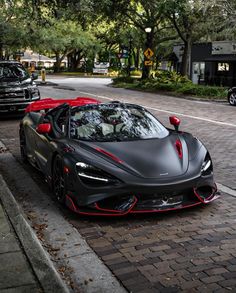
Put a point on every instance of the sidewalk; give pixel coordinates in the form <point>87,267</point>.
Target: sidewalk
<point>16,274</point>
<point>61,261</point>
<point>25,266</point>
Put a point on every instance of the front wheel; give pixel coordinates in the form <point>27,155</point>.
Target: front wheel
<point>58,180</point>
<point>232,99</point>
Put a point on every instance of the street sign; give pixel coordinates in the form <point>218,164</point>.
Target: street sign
<point>148,63</point>
<point>119,55</point>
<point>21,54</point>
<point>148,53</point>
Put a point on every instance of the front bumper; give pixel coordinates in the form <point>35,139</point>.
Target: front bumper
<point>148,200</point>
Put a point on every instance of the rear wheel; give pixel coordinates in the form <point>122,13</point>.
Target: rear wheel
<point>58,180</point>
<point>232,99</point>
<point>23,146</point>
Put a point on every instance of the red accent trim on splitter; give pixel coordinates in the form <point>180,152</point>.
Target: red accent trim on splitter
<point>115,211</point>
<point>113,157</point>
<point>210,198</point>
<point>73,207</point>
<point>50,103</point>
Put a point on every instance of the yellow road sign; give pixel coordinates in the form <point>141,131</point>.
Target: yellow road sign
<point>148,63</point>
<point>148,53</point>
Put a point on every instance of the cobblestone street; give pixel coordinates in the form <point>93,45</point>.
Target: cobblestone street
<point>194,250</point>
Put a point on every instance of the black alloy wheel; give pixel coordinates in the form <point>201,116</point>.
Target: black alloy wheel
<point>58,180</point>
<point>232,99</point>
<point>23,146</point>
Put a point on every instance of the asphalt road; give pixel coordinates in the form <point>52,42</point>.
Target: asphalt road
<point>191,251</point>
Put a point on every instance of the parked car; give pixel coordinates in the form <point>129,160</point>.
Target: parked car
<point>115,158</point>
<point>232,96</point>
<point>17,87</point>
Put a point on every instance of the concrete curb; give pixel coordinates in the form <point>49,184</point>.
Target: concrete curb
<point>47,275</point>
<point>86,271</point>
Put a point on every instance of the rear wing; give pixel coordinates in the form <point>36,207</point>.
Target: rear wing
<point>49,103</point>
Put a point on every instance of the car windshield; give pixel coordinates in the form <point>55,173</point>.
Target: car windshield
<point>13,71</point>
<point>114,122</point>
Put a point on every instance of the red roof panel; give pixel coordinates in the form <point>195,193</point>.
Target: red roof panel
<point>49,103</point>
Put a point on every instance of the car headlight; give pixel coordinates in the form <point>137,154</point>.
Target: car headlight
<point>34,93</point>
<point>207,167</point>
<point>89,174</point>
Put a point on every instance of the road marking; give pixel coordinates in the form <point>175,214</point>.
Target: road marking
<point>226,189</point>
<point>168,112</point>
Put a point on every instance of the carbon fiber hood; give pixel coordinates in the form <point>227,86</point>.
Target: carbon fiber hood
<point>149,158</point>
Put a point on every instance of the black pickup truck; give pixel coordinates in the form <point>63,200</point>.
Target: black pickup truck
<point>17,87</point>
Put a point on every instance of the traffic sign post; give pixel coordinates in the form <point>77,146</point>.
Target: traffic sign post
<point>148,53</point>
<point>148,62</point>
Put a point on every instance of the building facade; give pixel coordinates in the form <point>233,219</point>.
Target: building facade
<point>211,63</point>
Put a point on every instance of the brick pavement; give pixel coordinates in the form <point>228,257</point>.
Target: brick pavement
<point>171,252</point>
<point>190,251</point>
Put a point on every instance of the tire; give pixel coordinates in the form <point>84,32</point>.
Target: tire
<point>58,180</point>
<point>23,151</point>
<point>232,99</point>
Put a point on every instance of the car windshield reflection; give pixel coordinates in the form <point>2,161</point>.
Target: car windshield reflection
<point>114,122</point>
<point>14,71</point>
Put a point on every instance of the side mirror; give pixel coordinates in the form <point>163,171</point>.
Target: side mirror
<point>44,128</point>
<point>34,76</point>
<point>175,122</point>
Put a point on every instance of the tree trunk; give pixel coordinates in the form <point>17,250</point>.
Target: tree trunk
<point>57,65</point>
<point>185,65</point>
<point>1,51</point>
<point>137,57</point>
<point>149,44</point>
<point>74,58</point>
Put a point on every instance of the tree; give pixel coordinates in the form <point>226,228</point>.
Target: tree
<point>140,15</point>
<point>223,24</point>
<point>191,21</point>
<point>12,35</point>
<point>65,37</point>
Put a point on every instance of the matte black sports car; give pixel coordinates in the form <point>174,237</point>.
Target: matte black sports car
<point>232,96</point>
<point>115,158</point>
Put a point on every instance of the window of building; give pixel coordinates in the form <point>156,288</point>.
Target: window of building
<point>223,67</point>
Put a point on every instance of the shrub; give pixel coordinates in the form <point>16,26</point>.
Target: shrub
<point>172,82</point>
<point>113,73</point>
<point>123,79</point>
<point>136,73</point>
<point>165,76</point>
<point>201,90</point>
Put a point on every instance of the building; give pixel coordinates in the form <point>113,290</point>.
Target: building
<point>36,60</point>
<point>211,63</point>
